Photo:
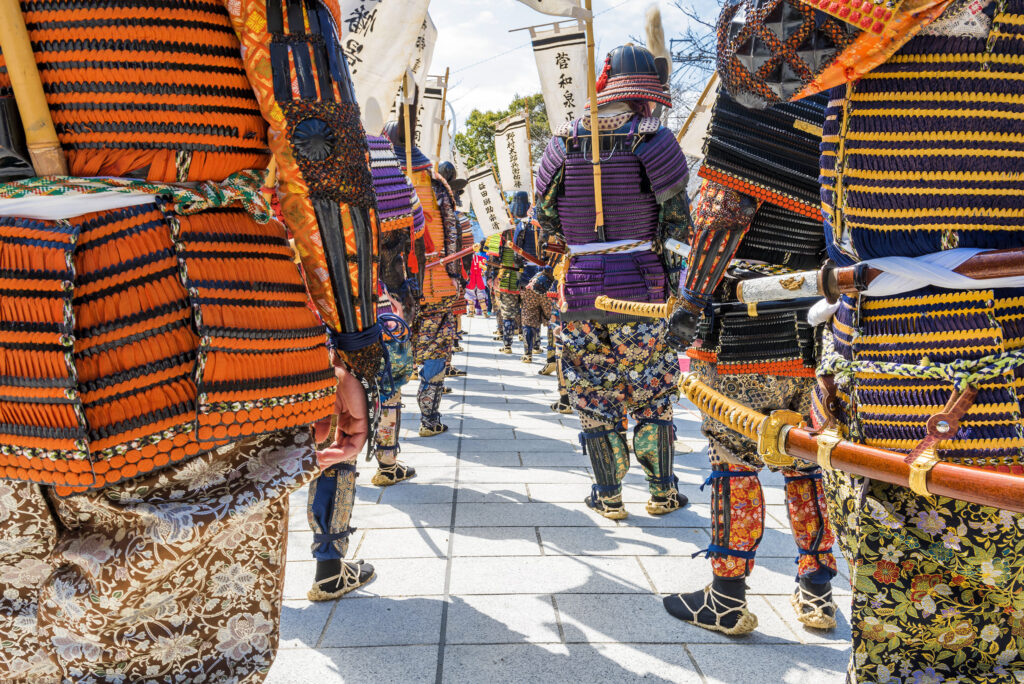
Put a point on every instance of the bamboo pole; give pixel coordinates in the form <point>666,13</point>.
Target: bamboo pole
<point>408,126</point>
<point>529,158</point>
<point>444,103</point>
<point>595,136</point>
<point>713,81</point>
<point>40,135</point>
<point>529,151</point>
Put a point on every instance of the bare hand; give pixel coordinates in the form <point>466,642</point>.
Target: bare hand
<point>352,430</point>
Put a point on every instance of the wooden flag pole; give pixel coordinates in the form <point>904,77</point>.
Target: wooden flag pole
<point>444,103</point>
<point>595,136</point>
<point>40,135</point>
<point>408,126</point>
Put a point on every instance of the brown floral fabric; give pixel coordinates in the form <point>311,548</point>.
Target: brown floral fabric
<point>175,576</point>
<point>28,533</point>
<point>536,308</point>
<point>433,336</point>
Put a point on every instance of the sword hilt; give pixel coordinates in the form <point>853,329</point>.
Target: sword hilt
<point>726,411</point>
<point>643,309</point>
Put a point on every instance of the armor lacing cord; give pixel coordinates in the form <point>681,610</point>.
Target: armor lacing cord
<point>722,550</point>
<point>800,478</point>
<point>409,286</point>
<point>394,327</point>
<point>323,540</point>
<point>719,474</point>
<point>961,373</point>
<point>584,436</point>
<point>243,187</point>
<point>668,482</point>
<point>656,421</point>
<point>346,467</point>
<point>356,340</point>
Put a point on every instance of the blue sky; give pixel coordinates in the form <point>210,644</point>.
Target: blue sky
<point>471,31</point>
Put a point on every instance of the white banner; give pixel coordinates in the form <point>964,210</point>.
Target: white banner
<point>560,8</point>
<point>379,41</point>
<point>487,200</point>
<point>562,64</point>
<point>460,163</point>
<point>423,51</point>
<point>691,136</point>
<point>428,123</point>
<point>512,152</point>
<point>447,149</point>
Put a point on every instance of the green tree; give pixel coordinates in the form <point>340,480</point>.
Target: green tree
<point>476,141</point>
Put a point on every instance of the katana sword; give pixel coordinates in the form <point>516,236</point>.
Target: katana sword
<point>642,309</point>
<point>782,439</point>
<point>453,257</point>
<point>529,257</point>
<point>832,281</point>
<point>621,306</point>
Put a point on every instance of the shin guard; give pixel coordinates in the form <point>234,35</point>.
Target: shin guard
<point>429,398</point>
<point>508,329</point>
<point>609,459</point>
<point>529,338</point>
<point>808,519</point>
<point>737,519</point>
<point>329,510</point>
<point>654,445</point>
<point>387,432</point>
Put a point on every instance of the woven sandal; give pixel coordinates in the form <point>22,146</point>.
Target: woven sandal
<point>351,577</point>
<point>561,407</point>
<point>663,505</point>
<point>610,511</point>
<point>548,369</point>
<point>432,429</point>
<point>526,358</point>
<point>717,604</point>
<point>814,611</point>
<point>506,349</point>
<point>392,474</point>
<point>453,372</point>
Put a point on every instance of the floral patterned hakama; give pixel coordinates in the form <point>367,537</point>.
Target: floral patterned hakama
<point>612,369</point>
<point>174,576</point>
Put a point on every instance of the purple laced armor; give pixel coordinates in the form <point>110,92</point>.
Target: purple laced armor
<point>641,171</point>
<point>389,182</point>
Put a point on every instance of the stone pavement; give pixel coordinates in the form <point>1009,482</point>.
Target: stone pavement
<point>490,568</point>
